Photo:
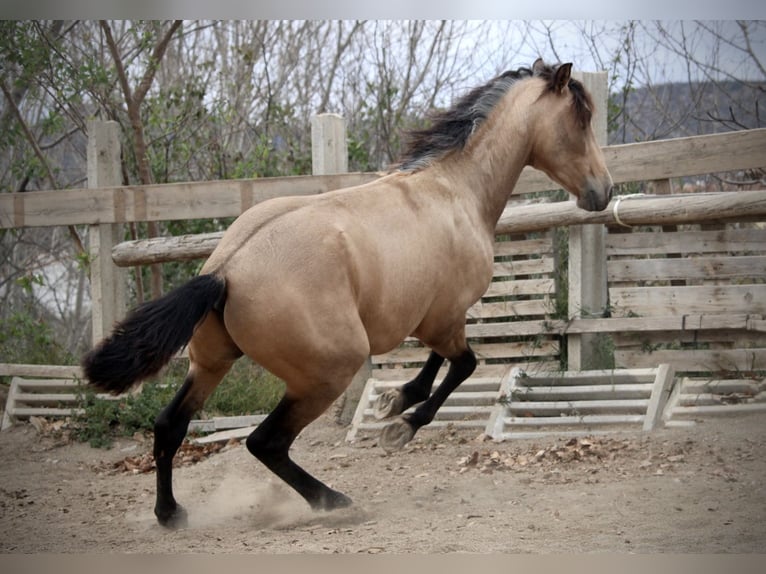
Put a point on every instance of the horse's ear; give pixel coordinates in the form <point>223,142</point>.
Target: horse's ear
<point>538,67</point>
<point>561,78</point>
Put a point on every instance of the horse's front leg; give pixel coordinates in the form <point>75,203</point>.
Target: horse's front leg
<point>395,401</point>
<point>400,431</point>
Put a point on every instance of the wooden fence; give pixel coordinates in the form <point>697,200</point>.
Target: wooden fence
<point>720,307</point>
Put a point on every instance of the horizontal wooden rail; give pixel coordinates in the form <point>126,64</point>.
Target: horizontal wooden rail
<point>631,210</point>
<point>639,210</point>
<point>162,202</point>
<point>645,161</point>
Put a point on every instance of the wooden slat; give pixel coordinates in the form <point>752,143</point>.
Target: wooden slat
<point>513,248</point>
<point>524,267</point>
<point>709,241</point>
<point>44,412</point>
<point>693,386</point>
<point>663,384</point>
<point>483,351</point>
<point>436,424</point>
<point>712,410</point>
<point>554,408</point>
<point>46,398</point>
<point>718,268</point>
<point>452,412</point>
<point>681,157</point>
<point>472,385</point>
<point>48,384</point>
<point>22,370</point>
<point>163,202</point>
<point>509,329</point>
<point>499,309</point>
<point>584,392</point>
<point>718,338</point>
<point>544,286</point>
<point>694,360</point>
<point>574,420</point>
<point>690,322</point>
<point>606,378</point>
<point>400,375</point>
<point>703,299</point>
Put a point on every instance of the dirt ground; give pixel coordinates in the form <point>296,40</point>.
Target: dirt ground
<point>696,490</point>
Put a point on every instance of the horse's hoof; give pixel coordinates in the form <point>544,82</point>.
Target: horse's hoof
<point>395,435</point>
<point>333,500</point>
<point>173,519</point>
<point>389,404</point>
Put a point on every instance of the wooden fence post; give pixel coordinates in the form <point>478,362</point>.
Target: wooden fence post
<point>329,150</point>
<point>107,281</point>
<point>329,155</point>
<point>587,254</point>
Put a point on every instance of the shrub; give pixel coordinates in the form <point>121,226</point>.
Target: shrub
<point>247,389</point>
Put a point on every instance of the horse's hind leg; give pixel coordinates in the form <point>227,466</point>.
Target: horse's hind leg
<point>396,401</point>
<point>211,354</point>
<point>400,431</point>
<point>270,443</point>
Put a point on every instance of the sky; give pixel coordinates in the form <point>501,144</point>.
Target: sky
<point>396,9</point>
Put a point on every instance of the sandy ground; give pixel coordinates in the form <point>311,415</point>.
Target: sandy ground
<point>696,490</point>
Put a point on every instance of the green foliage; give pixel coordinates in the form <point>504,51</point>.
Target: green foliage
<point>102,419</point>
<point>25,336</point>
<point>28,339</point>
<point>247,389</point>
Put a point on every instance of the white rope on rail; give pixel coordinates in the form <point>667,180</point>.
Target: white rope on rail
<point>616,206</point>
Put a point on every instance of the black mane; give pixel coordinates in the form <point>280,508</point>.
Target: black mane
<point>451,128</point>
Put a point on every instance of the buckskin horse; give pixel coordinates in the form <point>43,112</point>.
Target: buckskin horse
<point>309,287</point>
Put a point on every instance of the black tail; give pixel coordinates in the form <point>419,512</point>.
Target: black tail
<point>151,334</point>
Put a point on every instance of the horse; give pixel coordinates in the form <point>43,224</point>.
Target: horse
<point>309,287</point>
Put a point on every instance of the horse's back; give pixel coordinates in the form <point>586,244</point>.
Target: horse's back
<point>371,261</point>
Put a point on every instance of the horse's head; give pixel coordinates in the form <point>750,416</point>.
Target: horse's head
<point>563,143</point>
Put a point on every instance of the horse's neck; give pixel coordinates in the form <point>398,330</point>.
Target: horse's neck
<point>491,163</point>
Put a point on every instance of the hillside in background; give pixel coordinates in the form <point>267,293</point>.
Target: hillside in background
<point>677,110</point>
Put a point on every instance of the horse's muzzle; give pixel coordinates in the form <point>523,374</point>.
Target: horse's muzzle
<point>595,198</point>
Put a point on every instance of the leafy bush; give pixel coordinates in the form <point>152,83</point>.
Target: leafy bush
<point>247,389</point>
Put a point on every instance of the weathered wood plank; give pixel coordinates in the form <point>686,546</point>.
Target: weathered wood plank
<point>708,410</point>
<point>545,286</point>
<point>690,322</point>
<point>688,156</point>
<point>695,360</point>
<point>523,247</point>
<point>584,392</point>
<point>499,309</point>
<point>573,407</point>
<point>23,370</point>
<point>693,387</point>
<point>718,268</point>
<point>702,299</point>
<point>663,384</point>
<point>483,351</point>
<point>161,202</point>
<point>471,385</point>
<point>524,267</point>
<point>509,329</point>
<point>398,375</point>
<point>687,242</point>
<point>590,419</point>
<point>225,423</point>
<point>604,378</point>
